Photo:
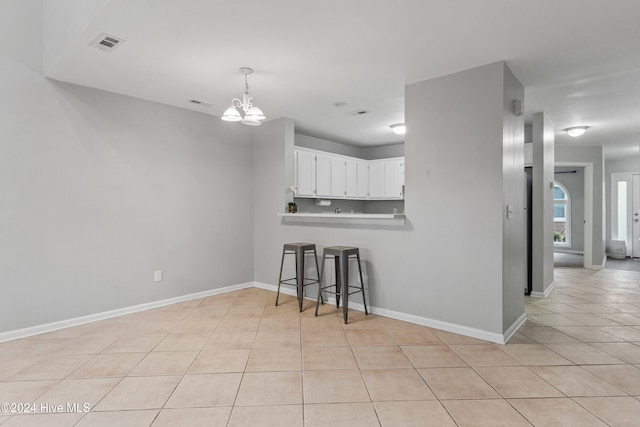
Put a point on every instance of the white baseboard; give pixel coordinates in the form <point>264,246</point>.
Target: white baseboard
<point>514,328</point>
<point>546,292</point>
<point>596,266</point>
<point>418,320</point>
<point>54,326</point>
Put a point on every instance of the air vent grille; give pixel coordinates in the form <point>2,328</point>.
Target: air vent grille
<point>199,103</point>
<point>106,42</point>
<point>359,112</point>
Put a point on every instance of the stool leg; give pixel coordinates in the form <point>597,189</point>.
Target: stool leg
<point>320,284</point>
<point>280,277</point>
<point>344,282</point>
<point>336,263</point>
<point>315,256</point>
<point>362,285</point>
<point>300,275</point>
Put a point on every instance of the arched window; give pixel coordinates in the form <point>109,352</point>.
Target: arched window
<point>561,215</point>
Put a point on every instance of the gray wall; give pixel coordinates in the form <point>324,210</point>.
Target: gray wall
<point>99,190</point>
<point>593,155</point>
<point>370,153</point>
<point>440,265</point>
<point>574,183</point>
<point>542,222</point>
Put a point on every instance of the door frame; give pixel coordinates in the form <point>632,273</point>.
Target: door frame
<point>588,209</point>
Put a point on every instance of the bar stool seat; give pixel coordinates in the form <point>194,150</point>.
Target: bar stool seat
<point>341,256</point>
<point>299,250</point>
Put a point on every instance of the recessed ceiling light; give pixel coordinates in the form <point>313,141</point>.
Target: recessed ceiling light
<point>399,128</point>
<point>576,131</point>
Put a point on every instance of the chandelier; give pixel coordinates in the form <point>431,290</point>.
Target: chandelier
<point>252,114</point>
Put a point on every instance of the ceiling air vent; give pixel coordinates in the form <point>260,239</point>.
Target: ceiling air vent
<point>358,113</point>
<point>199,103</point>
<point>106,42</point>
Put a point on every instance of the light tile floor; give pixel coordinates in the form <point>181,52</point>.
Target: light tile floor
<point>236,360</point>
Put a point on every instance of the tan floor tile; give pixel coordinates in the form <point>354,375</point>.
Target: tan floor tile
<point>588,334</point>
<point>545,334</point>
<point>190,325</point>
<point>245,311</point>
<point>324,338</point>
<point>590,319</point>
<point>483,355</point>
<point>270,339</point>
<point>625,377</point>
<point>387,357</point>
<point>457,383</point>
<point>56,367</point>
<point>534,354</point>
<point>615,411</point>
<point>627,333</point>
<point>340,415</point>
<point>138,393</point>
<point>279,324</point>
<point>517,382</point>
<point>118,418</point>
<point>193,417</point>
<point>337,386</point>
<point>135,344</point>
<point>24,391</point>
<point>109,365</point>
<point>432,356</point>
<point>89,390</point>
<point>211,362</point>
<point>411,336</point>
<point>39,420</point>
<point>314,358</point>
<point>627,352</point>
<point>413,414</point>
<point>324,322</point>
<point>232,324</point>
<point>183,342</point>
<point>574,381</point>
<point>267,416</point>
<point>553,320</point>
<point>164,363</point>
<point>451,338</point>
<point>396,384</point>
<point>369,337</point>
<point>490,413</point>
<point>230,340</point>
<point>555,412</point>
<point>583,354</point>
<point>518,338</point>
<point>205,390</point>
<point>270,388</point>
<point>275,359</point>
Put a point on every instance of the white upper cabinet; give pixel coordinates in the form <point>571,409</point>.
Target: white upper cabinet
<point>305,174</point>
<point>338,178</point>
<point>320,174</point>
<point>394,178</point>
<point>376,179</point>
<point>323,175</point>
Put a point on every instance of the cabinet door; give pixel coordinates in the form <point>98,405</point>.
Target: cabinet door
<point>352,179</point>
<point>376,180</point>
<point>323,176</point>
<point>393,179</point>
<point>338,178</point>
<point>305,174</point>
<point>362,182</point>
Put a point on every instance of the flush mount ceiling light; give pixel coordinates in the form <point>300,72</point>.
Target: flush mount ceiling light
<point>576,131</point>
<point>252,114</point>
<point>399,128</point>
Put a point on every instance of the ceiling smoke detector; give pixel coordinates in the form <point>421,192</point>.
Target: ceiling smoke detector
<point>106,42</point>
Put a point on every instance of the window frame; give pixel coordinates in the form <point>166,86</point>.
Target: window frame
<point>567,213</point>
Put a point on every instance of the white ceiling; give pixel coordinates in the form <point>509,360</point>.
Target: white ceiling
<point>578,60</point>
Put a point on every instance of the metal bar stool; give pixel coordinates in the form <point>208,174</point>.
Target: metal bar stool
<point>341,256</point>
<point>299,250</point>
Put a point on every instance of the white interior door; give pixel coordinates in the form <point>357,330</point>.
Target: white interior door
<point>636,215</point>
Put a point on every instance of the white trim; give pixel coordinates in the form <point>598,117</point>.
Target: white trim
<point>546,292</point>
<point>601,266</point>
<point>567,251</point>
<point>514,328</point>
<point>418,320</point>
<point>54,326</point>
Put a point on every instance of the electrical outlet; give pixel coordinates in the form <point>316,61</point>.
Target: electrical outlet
<point>157,276</point>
